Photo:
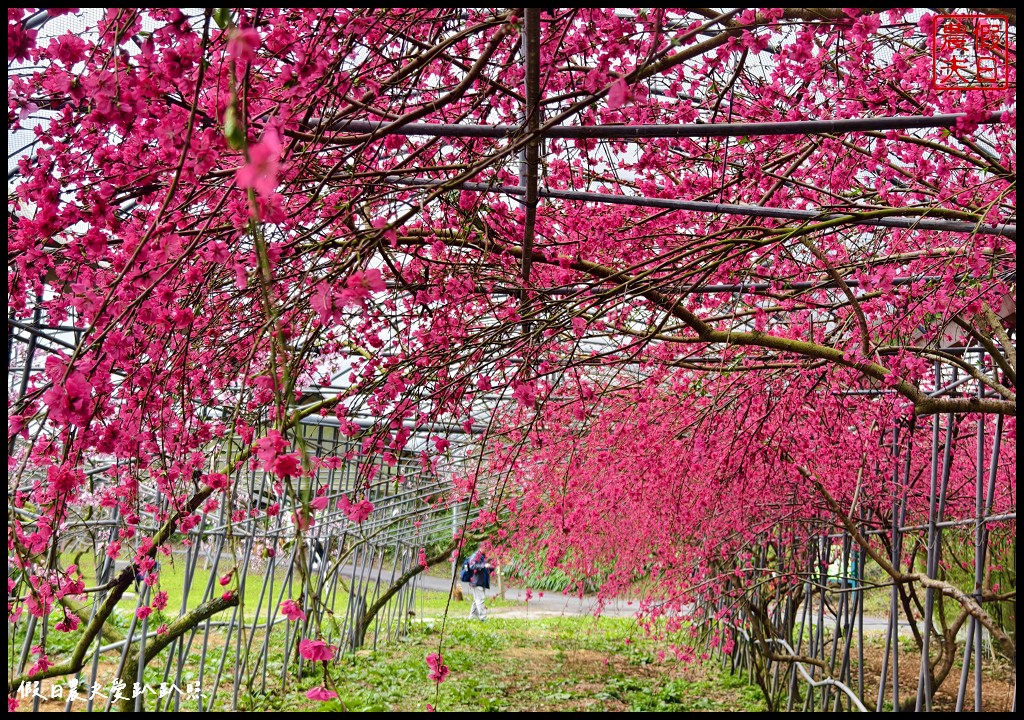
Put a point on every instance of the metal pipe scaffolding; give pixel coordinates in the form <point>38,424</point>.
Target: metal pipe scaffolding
<point>1005,230</point>
<point>336,569</point>
<point>637,132</point>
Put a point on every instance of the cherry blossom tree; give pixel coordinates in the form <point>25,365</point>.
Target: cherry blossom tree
<point>679,273</point>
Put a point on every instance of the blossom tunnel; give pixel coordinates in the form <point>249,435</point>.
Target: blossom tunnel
<point>711,307</point>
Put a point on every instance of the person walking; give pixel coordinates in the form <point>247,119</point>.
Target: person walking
<point>480,582</point>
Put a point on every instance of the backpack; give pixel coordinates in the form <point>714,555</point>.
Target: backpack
<point>467,573</point>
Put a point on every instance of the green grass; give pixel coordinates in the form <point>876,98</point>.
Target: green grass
<point>172,581</point>
<point>571,663</point>
<point>560,663</point>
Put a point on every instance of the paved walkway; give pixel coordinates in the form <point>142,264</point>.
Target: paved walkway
<point>555,604</point>
<point>541,604</point>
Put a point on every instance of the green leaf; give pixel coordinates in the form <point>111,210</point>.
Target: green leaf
<point>222,16</point>
<point>233,130</point>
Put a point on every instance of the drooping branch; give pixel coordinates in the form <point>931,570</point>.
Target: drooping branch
<point>969,603</point>
<point>626,284</point>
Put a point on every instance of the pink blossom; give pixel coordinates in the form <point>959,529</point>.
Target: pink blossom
<point>438,671</point>
<point>63,480</point>
<point>356,512</point>
<point>218,481</point>
<point>269,447</point>
<point>261,171</point>
<point>316,650</point>
<point>243,45</point>
<point>327,304</point>
<point>360,285</point>
<point>70,402</point>
<point>321,693</point>
<point>68,624</point>
<point>525,394</point>
<point>143,612</point>
<point>618,94</point>
<point>289,465</point>
<point>71,584</point>
<point>20,42</point>
<point>303,520</point>
<point>361,511</point>
<point>753,42</point>
<point>41,665</point>
<point>333,462</point>
<point>292,610</point>
<point>17,425</point>
<point>68,49</point>
<point>926,25</point>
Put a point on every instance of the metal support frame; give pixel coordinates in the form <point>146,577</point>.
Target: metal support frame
<point>347,565</point>
<point>837,635</point>
<point>635,132</point>
<point>710,208</point>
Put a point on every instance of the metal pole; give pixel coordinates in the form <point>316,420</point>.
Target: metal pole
<point>638,132</point>
<point>1006,230</point>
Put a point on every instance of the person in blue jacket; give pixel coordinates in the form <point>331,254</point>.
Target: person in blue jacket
<point>480,580</point>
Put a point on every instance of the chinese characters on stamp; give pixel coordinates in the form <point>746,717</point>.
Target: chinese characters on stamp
<point>969,52</point>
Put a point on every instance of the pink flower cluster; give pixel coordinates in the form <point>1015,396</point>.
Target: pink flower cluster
<point>356,512</point>
<point>261,171</point>
<point>292,610</point>
<point>321,693</point>
<point>70,396</point>
<point>270,450</point>
<point>329,302</point>
<point>438,670</point>
<point>317,650</point>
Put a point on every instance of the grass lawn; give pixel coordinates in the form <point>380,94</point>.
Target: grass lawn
<point>569,663</point>
<point>505,663</point>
